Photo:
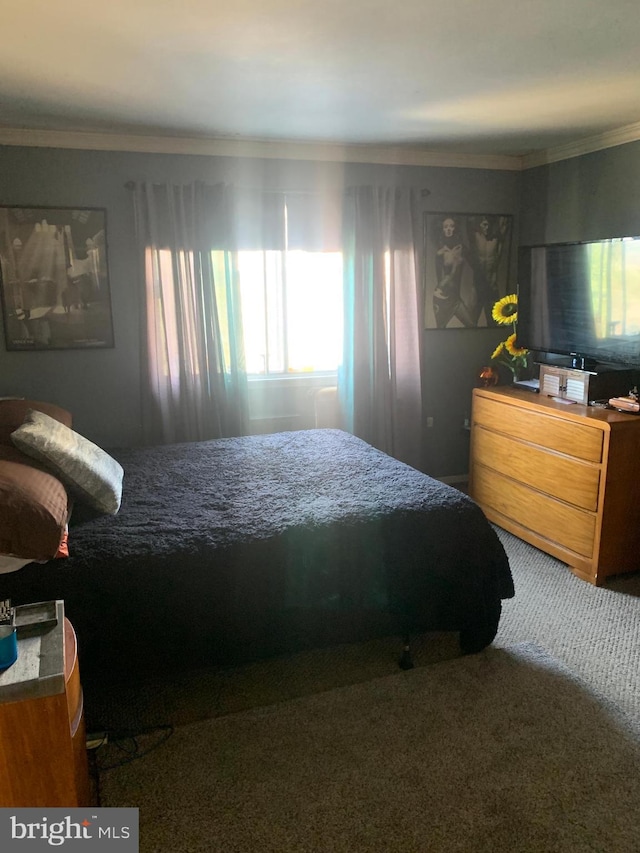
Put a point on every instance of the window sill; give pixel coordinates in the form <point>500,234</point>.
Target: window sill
<point>309,380</point>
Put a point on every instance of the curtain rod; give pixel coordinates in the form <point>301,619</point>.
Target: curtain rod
<point>130,185</point>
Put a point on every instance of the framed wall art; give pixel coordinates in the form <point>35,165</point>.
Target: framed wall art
<point>466,268</point>
<point>54,278</point>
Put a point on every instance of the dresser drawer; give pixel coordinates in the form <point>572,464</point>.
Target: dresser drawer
<point>560,476</point>
<point>568,526</point>
<point>579,440</point>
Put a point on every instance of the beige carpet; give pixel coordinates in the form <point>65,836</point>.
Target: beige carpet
<point>595,631</point>
<point>501,751</point>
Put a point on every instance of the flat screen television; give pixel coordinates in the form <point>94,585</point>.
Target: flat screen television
<point>581,300</point>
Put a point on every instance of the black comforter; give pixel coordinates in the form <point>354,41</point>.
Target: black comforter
<point>237,548</point>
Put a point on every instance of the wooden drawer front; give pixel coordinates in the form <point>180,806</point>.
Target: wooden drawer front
<point>570,527</point>
<point>559,476</point>
<point>583,442</point>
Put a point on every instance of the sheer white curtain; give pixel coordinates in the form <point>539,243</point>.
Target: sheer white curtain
<point>380,382</point>
<point>194,384</point>
<point>194,368</point>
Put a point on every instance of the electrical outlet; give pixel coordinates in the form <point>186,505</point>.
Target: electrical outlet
<point>429,422</point>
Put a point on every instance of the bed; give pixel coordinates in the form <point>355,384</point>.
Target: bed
<point>234,549</point>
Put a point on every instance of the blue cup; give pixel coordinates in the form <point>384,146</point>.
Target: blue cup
<point>8,646</point>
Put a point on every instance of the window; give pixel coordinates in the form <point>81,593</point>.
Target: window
<point>291,311</point>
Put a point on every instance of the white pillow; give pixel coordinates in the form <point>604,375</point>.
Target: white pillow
<point>87,471</point>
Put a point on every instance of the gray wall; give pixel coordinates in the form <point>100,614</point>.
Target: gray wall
<point>585,198</point>
<point>102,387</point>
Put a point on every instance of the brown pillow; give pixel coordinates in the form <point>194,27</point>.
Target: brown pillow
<point>12,415</point>
<point>34,507</point>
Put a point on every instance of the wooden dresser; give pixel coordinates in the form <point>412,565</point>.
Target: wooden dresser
<point>563,477</point>
<point>43,757</point>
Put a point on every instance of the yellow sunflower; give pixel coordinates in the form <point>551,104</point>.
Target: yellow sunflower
<point>512,348</point>
<point>505,310</point>
<point>498,349</point>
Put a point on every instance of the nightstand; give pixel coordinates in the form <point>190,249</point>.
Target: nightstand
<point>43,757</point>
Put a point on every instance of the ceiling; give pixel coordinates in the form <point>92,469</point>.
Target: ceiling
<point>466,76</point>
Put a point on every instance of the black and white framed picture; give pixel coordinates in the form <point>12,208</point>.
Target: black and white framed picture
<point>54,278</point>
<point>466,268</point>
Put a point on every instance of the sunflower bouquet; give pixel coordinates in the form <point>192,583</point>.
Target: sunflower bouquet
<point>508,353</point>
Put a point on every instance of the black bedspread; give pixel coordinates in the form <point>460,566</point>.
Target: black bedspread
<point>237,548</point>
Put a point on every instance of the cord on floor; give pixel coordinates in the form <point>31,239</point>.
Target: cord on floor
<point>127,743</point>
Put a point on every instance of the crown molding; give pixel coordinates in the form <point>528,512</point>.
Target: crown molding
<point>607,139</point>
<point>392,155</point>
